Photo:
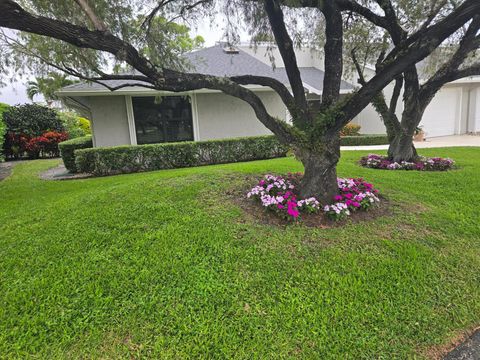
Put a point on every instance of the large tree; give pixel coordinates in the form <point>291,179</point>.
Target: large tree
<point>455,59</point>
<point>104,27</point>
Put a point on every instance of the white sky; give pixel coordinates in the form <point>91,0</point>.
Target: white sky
<point>15,93</point>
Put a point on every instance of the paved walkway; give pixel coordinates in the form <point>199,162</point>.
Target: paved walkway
<point>6,169</point>
<point>444,141</point>
<point>469,350</point>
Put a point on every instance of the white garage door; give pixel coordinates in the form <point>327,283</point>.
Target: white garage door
<point>443,113</point>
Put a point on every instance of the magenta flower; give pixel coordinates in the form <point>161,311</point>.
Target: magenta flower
<point>338,198</point>
<point>293,211</point>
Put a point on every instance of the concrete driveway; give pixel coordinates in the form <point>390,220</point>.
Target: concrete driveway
<point>444,141</point>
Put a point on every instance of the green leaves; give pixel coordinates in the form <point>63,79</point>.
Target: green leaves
<point>31,119</point>
<point>160,39</point>
<point>67,150</point>
<point>128,159</point>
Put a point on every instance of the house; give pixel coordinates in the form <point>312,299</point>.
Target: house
<point>136,115</point>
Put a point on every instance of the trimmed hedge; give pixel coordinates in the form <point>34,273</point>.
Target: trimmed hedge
<point>67,150</point>
<point>129,159</point>
<point>364,140</point>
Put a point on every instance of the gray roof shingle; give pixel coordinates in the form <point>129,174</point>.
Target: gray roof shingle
<point>214,61</point>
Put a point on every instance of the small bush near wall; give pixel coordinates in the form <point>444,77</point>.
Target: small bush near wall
<point>364,140</point>
<point>350,130</point>
<point>67,149</point>
<point>129,159</point>
<point>75,125</point>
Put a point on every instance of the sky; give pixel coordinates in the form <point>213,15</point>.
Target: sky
<point>15,93</point>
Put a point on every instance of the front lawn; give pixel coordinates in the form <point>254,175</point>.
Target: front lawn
<point>164,265</point>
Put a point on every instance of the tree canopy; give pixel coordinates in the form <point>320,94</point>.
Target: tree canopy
<point>83,38</point>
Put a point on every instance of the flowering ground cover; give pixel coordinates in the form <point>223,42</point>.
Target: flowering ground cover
<point>278,195</point>
<point>375,161</point>
<point>165,265</point>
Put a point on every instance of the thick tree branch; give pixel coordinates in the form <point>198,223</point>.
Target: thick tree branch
<point>285,46</point>
<point>449,71</point>
<point>397,89</point>
<point>333,53</point>
<point>351,5</point>
<point>358,67</point>
<point>394,28</point>
<point>272,83</point>
<point>15,17</point>
<point>418,50</point>
<point>388,115</point>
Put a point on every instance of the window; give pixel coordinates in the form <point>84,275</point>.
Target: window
<point>168,119</point>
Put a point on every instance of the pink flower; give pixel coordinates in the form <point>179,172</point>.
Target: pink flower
<point>348,196</point>
<point>280,206</point>
<point>292,211</point>
<point>338,198</point>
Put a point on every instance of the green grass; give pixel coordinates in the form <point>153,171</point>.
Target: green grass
<point>162,265</point>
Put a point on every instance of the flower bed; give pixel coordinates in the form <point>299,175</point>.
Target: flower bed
<point>423,164</point>
<point>278,195</point>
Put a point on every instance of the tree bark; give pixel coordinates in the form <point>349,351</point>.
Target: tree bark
<point>320,176</point>
<point>402,149</point>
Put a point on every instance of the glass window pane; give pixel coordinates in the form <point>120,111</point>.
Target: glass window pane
<point>169,120</point>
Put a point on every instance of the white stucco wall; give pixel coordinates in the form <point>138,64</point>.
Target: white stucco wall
<point>218,115</point>
<point>222,116</point>
<point>109,120</point>
<point>474,110</point>
<point>448,112</point>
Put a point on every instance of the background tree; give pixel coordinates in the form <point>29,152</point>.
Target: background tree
<point>103,32</point>
<point>48,85</point>
<point>454,59</point>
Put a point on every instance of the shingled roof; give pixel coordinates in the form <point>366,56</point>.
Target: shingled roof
<point>215,61</point>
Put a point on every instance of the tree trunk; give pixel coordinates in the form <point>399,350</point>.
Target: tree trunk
<point>320,177</point>
<point>402,149</point>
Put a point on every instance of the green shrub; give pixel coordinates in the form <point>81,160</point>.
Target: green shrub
<point>75,125</point>
<point>129,159</point>
<point>67,150</point>
<point>31,120</point>
<point>364,140</point>
<point>3,129</point>
<point>85,125</point>
<point>26,126</point>
<point>350,130</point>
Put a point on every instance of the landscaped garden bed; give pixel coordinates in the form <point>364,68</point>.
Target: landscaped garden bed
<point>166,264</point>
<point>423,163</point>
<point>279,196</point>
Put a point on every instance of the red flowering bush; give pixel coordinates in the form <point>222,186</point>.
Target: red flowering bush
<point>45,145</point>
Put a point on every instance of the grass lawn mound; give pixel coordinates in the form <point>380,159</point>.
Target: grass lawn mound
<point>164,264</point>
